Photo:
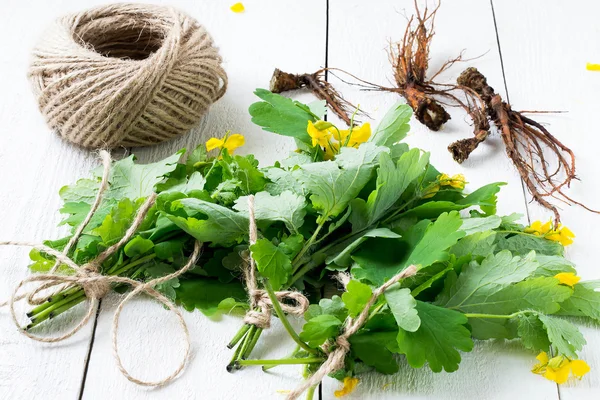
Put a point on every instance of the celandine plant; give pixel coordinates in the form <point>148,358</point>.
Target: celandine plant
<point>354,201</point>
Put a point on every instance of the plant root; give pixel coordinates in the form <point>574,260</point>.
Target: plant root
<point>529,146</point>
<point>316,83</point>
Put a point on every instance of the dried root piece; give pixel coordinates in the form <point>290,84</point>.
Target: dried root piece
<point>410,60</point>
<point>545,164</point>
<point>316,83</point>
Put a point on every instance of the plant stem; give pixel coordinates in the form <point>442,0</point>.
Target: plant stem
<point>56,312</point>
<point>286,324</point>
<point>43,315</point>
<point>268,367</point>
<point>236,355</point>
<point>52,300</point>
<point>252,343</point>
<point>310,392</point>
<point>283,361</point>
<point>238,336</point>
<point>497,316</point>
<point>132,264</point>
<point>309,242</point>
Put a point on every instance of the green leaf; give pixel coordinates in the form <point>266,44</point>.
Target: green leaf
<point>541,294</point>
<point>208,222</point>
<point>479,281</point>
<point>130,180</point>
<point>393,126</point>
<point>320,328</point>
<point>584,302</point>
<point>403,306</point>
<point>206,294</point>
<point>533,333</point>
<point>283,180</point>
<point>318,108</point>
<point>334,306</point>
<point>478,244</point>
<point>424,244</point>
<point>441,334</point>
<point>272,262</point>
<point>392,181</point>
<point>356,297</point>
<point>552,265</point>
<point>343,258</point>
<point>280,115</point>
<point>476,225</point>
<point>286,207</point>
<point>563,335</point>
<point>334,184</point>
<point>138,246</point>
<point>116,223</point>
<point>521,244</point>
<point>372,349</point>
<point>158,270</point>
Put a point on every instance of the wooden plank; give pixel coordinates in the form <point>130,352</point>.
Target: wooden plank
<point>494,370</point>
<point>35,164</point>
<point>268,34</point>
<point>545,47</point>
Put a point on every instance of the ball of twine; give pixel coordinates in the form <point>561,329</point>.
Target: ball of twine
<point>125,75</point>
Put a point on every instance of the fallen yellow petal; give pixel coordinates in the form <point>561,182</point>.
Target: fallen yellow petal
<point>348,387</point>
<point>592,67</point>
<point>237,8</point>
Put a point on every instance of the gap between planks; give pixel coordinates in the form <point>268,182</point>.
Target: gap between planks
<point>508,101</point>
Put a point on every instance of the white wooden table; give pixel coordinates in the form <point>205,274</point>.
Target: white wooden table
<point>535,53</point>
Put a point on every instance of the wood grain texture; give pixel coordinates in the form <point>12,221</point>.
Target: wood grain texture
<point>494,370</point>
<point>545,47</point>
<point>35,164</point>
<point>267,35</point>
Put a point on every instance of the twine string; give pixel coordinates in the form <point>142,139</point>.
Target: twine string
<point>96,285</point>
<point>341,347</point>
<point>260,303</point>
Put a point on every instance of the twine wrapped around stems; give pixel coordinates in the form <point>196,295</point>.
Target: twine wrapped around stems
<point>336,357</point>
<point>260,303</point>
<point>125,75</point>
<point>96,285</point>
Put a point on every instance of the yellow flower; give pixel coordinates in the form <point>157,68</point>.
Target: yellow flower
<point>237,8</point>
<point>228,142</point>
<point>358,136</point>
<point>331,149</point>
<point>214,143</point>
<point>348,387</point>
<point>560,234</point>
<point>567,278</point>
<point>456,181</point>
<point>592,67</point>
<point>431,191</point>
<point>559,368</point>
<point>319,136</point>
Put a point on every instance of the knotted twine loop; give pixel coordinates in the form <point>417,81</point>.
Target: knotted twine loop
<point>96,285</point>
<point>125,75</point>
<point>260,303</point>
<point>335,359</point>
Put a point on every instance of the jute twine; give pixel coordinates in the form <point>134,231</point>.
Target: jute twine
<point>260,303</point>
<point>96,285</point>
<point>336,352</point>
<point>125,75</point>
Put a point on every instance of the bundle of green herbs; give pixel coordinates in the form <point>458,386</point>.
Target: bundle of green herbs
<point>356,202</point>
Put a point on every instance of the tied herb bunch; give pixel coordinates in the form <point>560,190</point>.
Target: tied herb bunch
<point>350,209</point>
